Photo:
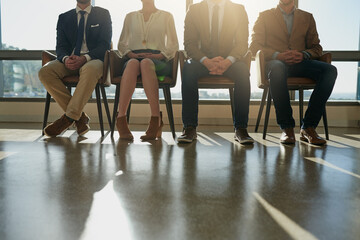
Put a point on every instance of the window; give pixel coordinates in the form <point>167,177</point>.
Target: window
<point>338,27</point>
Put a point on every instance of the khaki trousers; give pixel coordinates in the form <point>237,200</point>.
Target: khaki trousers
<point>89,74</point>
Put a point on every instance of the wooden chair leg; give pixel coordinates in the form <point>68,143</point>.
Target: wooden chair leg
<point>128,112</point>
<point>301,106</point>
<point>46,112</point>
<point>98,101</point>
<point>325,124</point>
<point>232,102</point>
<point>103,93</point>
<point>167,95</point>
<point>115,111</point>
<point>267,114</point>
<point>262,103</point>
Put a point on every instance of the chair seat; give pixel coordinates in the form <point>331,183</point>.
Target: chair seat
<point>300,81</point>
<point>117,80</point>
<point>215,82</point>
<point>70,79</point>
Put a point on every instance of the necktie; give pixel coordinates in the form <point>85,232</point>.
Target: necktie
<point>80,35</point>
<point>215,31</point>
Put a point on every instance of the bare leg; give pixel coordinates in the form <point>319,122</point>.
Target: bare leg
<point>127,85</point>
<point>151,85</point>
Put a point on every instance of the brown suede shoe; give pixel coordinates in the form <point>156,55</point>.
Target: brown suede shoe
<point>242,136</point>
<point>188,135</point>
<point>57,127</point>
<point>82,125</point>
<point>287,136</point>
<point>309,135</point>
<point>123,129</point>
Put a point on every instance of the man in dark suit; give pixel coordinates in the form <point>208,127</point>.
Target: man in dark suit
<point>83,36</point>
<point>291,45</point>
<point>216,39</point>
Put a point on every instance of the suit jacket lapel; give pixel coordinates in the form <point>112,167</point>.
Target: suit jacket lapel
<point>226,23</point>
<point>204,16</point>
<point>280,19</point>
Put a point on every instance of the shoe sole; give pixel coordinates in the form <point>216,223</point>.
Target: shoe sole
<point>244,142</point>
<point>307,140</point>
<point>182,140</point>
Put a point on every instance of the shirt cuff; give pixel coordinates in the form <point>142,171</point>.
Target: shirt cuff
<point>274,56</point>
<point>231,58</point>
<point>63,59</point>
<point>307,55</point>
<point>88,58</point>
<point>202,59</point>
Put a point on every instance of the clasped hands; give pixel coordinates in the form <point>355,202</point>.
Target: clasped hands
<point>217,65</point>
<point>74,62</point>
<point>291,57</point>
<point>158,56</point>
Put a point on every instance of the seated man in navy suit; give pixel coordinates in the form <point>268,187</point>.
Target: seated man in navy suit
<point>83,36</point>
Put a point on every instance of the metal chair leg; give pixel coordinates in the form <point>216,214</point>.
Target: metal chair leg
<point>231,94</point>
<point>128,112</point>
<point>46,112</point>
<point>301,106</point>
<point>116,104</point>
<point>103,93</point>
<point>325,124</point>
<point>167,95</point>
<point>98,101</point>
<point>262,103</point>
<point>267,114</point>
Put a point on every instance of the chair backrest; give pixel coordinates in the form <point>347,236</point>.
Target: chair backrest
<point>263,81</point>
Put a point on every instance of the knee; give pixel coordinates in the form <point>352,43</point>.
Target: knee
<point>276,71</point>
<point>147,64</point>
<point>132,67</point>
<point>43,73</point>
<point>332,71</point>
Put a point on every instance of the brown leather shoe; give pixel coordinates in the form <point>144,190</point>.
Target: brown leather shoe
<point>57,127</point>
<point>287,136</point>
<point>242,136</point>
<point>309,135</point>
<point>188,135</point>
<point>123,129</point>
<point>154,129</point>
<point>82,125</point>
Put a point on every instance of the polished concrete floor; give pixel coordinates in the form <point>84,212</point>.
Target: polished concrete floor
<point>90,187</point>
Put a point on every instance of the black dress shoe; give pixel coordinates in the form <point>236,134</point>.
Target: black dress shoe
<point>188,135</point>
<point>242,136</point>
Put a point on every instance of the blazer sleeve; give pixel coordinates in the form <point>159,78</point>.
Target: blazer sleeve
<point>312,40</point>
<point>258,38</point>
<point>241,35</point>
<point>63,46</point>
<point>192,36</point>
<point>171,44</point>
<point>104,38</point>
<point>123,44</point>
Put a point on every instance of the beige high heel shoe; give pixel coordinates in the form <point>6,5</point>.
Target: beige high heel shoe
<point>154,130</point>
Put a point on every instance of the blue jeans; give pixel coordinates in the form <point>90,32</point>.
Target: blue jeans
<point>323,73</point>
<point>193,70</point>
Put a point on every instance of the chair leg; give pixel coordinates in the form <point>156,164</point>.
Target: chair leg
<point>167,95</point>
<point>325,124</point>
<point>262,103</point>
<point>301,106</point>
<point>98,101</point>
<point>46,113</point>
<point>116,104</point>
<point>267,114</point>
<point>128,112</point>
<point>103,93</point>
<point>231,94</point>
